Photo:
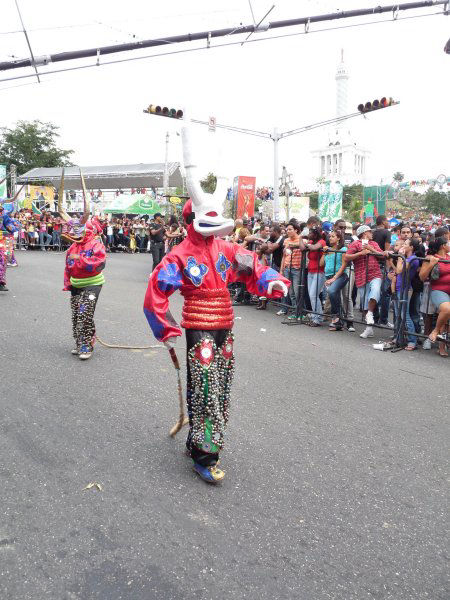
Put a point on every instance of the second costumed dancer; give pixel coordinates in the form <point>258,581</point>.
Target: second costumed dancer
<point>83,274</point>
<point>201,267</point>
<point>8,227</point>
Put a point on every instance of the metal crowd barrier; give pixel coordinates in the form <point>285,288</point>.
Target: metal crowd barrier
<point>401,299</point>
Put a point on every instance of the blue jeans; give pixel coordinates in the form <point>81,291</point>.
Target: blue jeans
<point>414,306</point>
<point>315,285</point>
<point>334,291</point>
<point>410,328</point>
<point>44,235</point>
<point>294,277</point>
<point>412,339</point>
<point>385,301</point>
<point>370,291</point>
<point>56,238</point>
<point>438,297</point>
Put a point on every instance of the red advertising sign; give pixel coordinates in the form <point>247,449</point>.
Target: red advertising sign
<point>244,196</point>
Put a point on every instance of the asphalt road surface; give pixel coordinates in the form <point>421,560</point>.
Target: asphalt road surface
<point>335,460</point>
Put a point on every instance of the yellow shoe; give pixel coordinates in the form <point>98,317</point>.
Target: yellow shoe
<point>210,474</point>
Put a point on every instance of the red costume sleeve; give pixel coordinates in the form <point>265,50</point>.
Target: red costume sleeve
<point>66,287</point>
<point>67,284</point>
<point>247,269</point>
<point>165,279</point>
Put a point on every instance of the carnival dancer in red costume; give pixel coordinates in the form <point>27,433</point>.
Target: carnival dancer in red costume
<point>83,275</point>
<point>7,228</point>
<point>201,268</point>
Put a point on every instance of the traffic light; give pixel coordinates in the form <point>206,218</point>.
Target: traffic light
<point>163,111</point>
<point>376,105</point>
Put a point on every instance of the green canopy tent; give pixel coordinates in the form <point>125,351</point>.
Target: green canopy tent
<point>133,204</point>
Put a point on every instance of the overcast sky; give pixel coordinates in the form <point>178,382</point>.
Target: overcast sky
<point>282,83</point>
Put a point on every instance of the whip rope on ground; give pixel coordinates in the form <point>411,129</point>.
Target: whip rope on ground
<point>100,341</point>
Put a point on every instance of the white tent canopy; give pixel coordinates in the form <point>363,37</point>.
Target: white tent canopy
<point>110,177</point>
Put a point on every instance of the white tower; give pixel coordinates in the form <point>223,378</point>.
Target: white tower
<point>341,88</point>
<point>341,160</point>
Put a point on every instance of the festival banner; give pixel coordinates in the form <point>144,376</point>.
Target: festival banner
<point>3,188</point>
<point>244,196</point>
<point>39,195</point>
<point>299,208</point>
<point>330,201</point>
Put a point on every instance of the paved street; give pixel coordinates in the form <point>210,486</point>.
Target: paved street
<point>335,462</point>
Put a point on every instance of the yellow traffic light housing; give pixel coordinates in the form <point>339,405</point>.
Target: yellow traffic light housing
<point>164,111</point>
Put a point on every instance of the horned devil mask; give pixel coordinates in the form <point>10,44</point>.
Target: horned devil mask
<point>207,208</point>
<point>76,228</point>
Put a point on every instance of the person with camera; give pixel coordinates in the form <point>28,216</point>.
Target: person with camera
<point>439,274</point>
<point>408,254</point>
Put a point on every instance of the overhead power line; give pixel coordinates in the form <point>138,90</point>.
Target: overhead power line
<point>216,33</point>
<point>215,47</point>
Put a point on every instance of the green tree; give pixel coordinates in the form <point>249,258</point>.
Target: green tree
<point>313,200</point>
<point>398,176</point>
<point>209,183</point>
<point>353,212</point>
<point>437,203</point>
<point>351,194</point>
<point>32,144</point>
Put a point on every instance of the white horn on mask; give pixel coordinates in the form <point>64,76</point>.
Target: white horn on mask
<point>192,179</point>
<point>221,189</point>
<point>87,209</point>
<point>61,210</point>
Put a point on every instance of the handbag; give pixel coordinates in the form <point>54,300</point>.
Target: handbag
<point>435,273</point>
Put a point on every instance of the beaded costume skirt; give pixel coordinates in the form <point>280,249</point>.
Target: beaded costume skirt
<point>210,361</point>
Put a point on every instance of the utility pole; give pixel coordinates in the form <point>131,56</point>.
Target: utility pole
<point>166,167</point>
<point>13,180</point>
<point>276,195</point>
<point>286,182</point>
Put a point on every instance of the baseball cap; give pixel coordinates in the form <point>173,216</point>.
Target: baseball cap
<point>348,227</point>
<point>362,229</point>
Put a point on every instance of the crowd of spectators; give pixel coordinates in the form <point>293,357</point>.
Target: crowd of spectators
<point>339,266</point>
<point>120,234</point>
<point>398,277</point>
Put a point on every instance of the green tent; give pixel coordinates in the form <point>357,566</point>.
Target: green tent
<point>133,204</point>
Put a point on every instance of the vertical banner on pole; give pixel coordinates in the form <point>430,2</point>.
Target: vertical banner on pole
<point>330,201</point>
<point>244,194</point>
<point>3,187</point>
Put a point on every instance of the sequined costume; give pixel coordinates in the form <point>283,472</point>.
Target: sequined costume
<point>201,268</point>
<point>7,228</point>
<point>3,261</point>
<point>83,277</point>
